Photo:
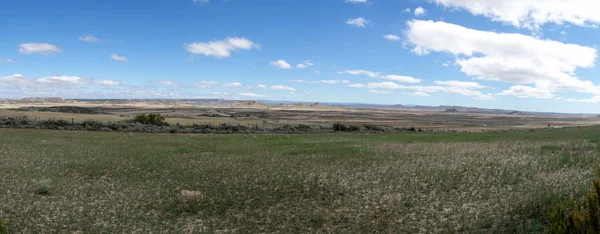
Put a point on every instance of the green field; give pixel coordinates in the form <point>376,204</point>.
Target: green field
<point>342,183</point>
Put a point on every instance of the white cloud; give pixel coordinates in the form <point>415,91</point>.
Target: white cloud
<point>306,64</point>
<point>357,1</point>
<point>420,11</point>
<point>220,93</point>
<point>233,84</point>
<point>507,57</point>
<point>391,37</point>
<point>418,94</point>
<point>356,86</point>
<point>403,79</point>
<point>595,99</point>
<point>222,48</point>
<point>527,91</point>
<point>89,38</point>
<point>205,84</point>
<point>332,81</point>
<point>38,48</point>
<point>531,13</point>
<point>250,95</point>
<point>201,1</point>
<point>75,80</point>
<point>460,84</point>
<point>359,22</point>
<point>117,57</point>
<point>407,10</point>
<point>379,91</point>
<point>453,87</point>
<point>281,64</point>
<point>6,60</point>
<point>281,87</point>
<point>361,72</point>
<point>168,82</point>
<point>107,82</point>
<point>261,86</point>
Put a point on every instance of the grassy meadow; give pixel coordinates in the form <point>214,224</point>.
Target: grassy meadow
<point>97,182</point>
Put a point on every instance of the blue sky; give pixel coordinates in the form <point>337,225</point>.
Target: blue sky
<point>494,54</point>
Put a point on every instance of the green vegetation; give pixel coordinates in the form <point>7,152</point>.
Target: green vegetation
<point>69,109</point>
<point>3,228</point>
<point>578,217</point>
<point>151,119</point>
<point>44,186</point>
<point>503,182</point>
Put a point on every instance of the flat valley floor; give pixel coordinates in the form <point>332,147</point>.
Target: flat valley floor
<point>98,182</point>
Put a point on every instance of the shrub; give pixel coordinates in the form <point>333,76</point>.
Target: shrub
<point>44,186</point>
<point>152,119</point>
<point>3,228</point>
<point>345,128</point>
<point>413,129</point>
<point>373,128</point>
<point>582,217</point>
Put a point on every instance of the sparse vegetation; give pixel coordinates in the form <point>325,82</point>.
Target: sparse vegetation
<point>44,186</point>
<point>504,182</point>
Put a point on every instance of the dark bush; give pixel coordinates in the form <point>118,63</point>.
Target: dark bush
<point>370,127</point>
<point>574,217</point>
<point>345,128</point>
<point>151,119</point>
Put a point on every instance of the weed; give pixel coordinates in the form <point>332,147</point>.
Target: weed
<point>44,186</point>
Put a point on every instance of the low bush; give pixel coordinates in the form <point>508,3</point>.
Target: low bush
<point>578,217</point>
<point>3,228</point>
<point>152,119</point>
<point>374,128</point>
<point>338,127</point>
<point>44,186</point>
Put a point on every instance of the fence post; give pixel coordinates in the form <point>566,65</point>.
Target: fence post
<point>72,121</point>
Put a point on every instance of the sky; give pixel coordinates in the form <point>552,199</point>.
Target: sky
<point>509,54</point>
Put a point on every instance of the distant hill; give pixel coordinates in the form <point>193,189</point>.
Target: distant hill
<point>248,104</point>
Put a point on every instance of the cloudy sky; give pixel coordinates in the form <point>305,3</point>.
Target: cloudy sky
<point>511,54</point>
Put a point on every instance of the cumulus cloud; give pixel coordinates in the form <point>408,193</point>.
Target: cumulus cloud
<point>281,87</point>
<point>380,91</point>
<point>418,94</point>
<point>261,86</point>
<point>205,84</point>
<point>220,48</point>
<point>527,91</point>
<point>420,11</point>
<point>38,48</point>
<point>506,57</point>
<point>117,57</point>
<point>451,87</point>
<point>322,81</point>
<point>281,64</point>
<point>359,22</point>
<point>168,82</point>
<point>391,37</point>
<point>356,86</point>
<point>107,82</point>
<point>361,72</point>
<point>254,95</point>
<point>305,64</point>
<point>531,13</point>
<point>233,84</point>
<point>89,38</point>
<point>403,79</point>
